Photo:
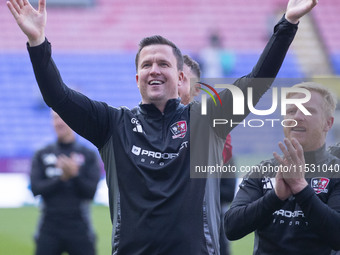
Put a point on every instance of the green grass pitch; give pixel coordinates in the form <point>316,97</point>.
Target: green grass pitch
<point>17,226</point>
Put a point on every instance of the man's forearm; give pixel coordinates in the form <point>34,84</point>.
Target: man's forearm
<point>243,219</point>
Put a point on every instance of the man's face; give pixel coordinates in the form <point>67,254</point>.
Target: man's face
<point>311,130</point>
<point>185,91</point>
<point>158,77</point>
<point>63,131</point>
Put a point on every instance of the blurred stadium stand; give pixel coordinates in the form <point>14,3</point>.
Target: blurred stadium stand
<point>94,48</point>
<point>65,3</point>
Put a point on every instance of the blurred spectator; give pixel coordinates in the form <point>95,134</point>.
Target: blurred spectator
<point>216,61</point>
<point>65,174</point>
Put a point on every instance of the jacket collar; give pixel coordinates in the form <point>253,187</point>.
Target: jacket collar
<point>152,111</point>
<point>316,156</point>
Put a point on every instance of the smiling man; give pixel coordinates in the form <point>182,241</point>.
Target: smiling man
<point>156,208</point>
<point>297,209</point>
<point>158,72</point>
<point>307,127</point>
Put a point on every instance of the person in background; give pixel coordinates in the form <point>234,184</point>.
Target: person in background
<point>189,89</point>
<point>65,174</point>
<point>217,62</point>
<point>295,207</point>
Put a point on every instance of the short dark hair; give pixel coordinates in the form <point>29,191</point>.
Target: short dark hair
<point>194,66</point>
<point>157,39</point>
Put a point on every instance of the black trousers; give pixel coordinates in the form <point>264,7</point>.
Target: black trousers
<point>54,240</point>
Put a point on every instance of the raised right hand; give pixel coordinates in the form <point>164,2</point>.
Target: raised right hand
<point>296,9</point>
<point>32,22</point>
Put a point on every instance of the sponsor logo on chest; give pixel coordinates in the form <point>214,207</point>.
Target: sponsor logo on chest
<point>179,129</point>
<point>319,184</point>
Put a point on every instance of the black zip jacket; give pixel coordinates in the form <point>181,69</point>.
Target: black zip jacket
<point>156,208</point>
<point>64,202</point>
<point>305,224</point>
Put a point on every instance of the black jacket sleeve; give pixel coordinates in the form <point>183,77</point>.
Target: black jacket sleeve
<point>249,209</point>
<point>323,218</point>
<point>275,51</point>
<point>89,175</point>
<point>260,78</point>
<point>61,99</point>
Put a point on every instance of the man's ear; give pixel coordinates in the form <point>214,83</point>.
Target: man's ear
<point>180,78</point>
<point>197,87</point>
<point>137,77</point>
<point>329,123</point>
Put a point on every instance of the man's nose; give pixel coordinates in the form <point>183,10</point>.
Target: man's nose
<point>155,69</point>
<point>299,115</point>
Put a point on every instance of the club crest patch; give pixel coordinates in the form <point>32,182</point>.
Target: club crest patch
<point>179,129</point>
<point>319,184</point>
